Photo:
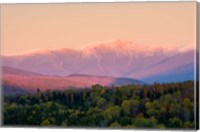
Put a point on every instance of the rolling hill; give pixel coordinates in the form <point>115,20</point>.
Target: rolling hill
<point>17,81</point>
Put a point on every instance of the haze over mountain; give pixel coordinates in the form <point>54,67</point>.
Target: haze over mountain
<point>20,81</point>
<point>115,58</point>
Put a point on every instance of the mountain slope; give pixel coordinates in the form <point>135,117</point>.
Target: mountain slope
<point>13,71</point>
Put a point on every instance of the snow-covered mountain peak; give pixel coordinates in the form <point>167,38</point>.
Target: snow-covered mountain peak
<point>115,45</point>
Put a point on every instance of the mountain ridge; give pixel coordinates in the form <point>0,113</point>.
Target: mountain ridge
<point>122,43</point>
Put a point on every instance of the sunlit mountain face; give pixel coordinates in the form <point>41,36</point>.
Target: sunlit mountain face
<point>114,58</point>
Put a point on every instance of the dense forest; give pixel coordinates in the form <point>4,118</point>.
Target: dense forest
<point>166,105</point>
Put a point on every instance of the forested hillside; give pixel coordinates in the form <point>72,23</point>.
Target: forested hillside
<point>167,105</point>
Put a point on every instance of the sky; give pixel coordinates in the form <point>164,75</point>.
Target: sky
<point>28,27</point>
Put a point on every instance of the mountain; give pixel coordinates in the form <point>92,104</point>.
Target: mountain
<point>17,81</point>
<point>118,58</point>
